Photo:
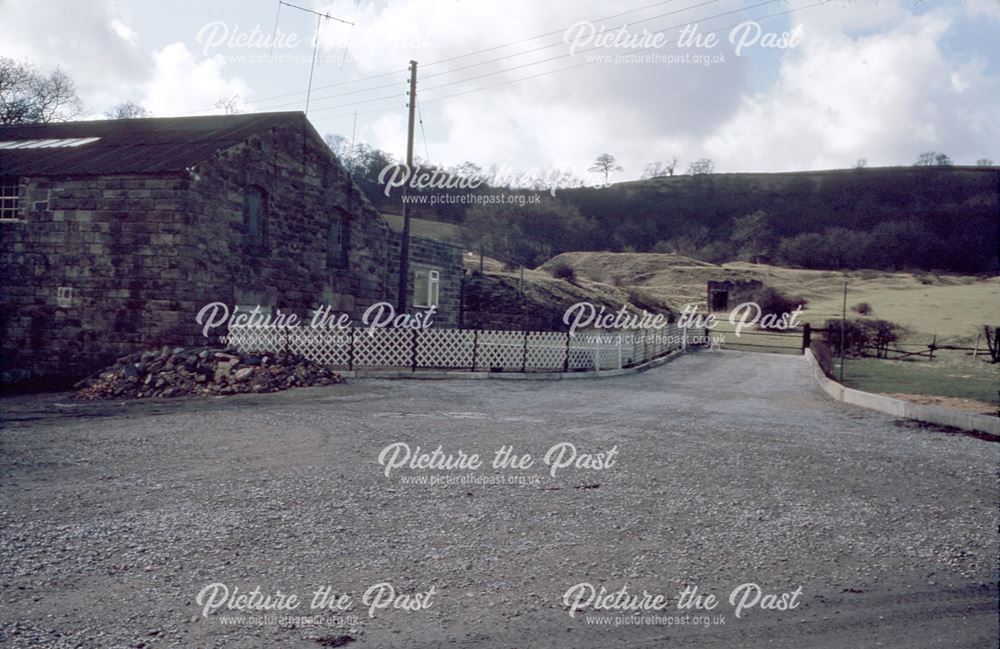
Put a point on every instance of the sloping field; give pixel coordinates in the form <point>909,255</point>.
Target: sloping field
<point>951,306</point>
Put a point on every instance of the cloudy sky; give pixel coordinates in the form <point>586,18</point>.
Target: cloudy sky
<point>521,84</point>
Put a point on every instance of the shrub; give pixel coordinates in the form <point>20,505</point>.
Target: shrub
<point>562,270</point>
<point>862,308</point>
<point>771,301</point>
<point>862,335</point>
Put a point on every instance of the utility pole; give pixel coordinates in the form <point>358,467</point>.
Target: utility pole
<point>404,246</point>
<point>843,318</point>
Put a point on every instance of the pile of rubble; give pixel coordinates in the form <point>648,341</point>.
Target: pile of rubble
<point>190,371</point>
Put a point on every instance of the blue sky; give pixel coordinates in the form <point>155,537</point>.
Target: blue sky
<point>878,80</point>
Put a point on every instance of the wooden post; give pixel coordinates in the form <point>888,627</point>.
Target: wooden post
<point>413,352</point>
<point>524,354</point>
<point>806,337</point>
<point>932,347</point>
<point>402,301</point>
<point>475,349</point>
<point>566,360</point>
<point>975,352</point>
<point>350,351</point>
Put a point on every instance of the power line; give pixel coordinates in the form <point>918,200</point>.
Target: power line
<point>423,133</point>
<point>545,47</point>
<point>552,33</point>
<point>347,43</point>
<point>342,94</point>
<point>583,63</point>
<point>553,58</point>
<point>460,56</point>
<point>357,103</point>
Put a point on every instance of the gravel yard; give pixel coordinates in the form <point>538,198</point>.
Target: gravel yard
<point>721,469</point>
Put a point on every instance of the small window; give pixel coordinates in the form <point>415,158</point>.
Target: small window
<point>64,297</point>
<point>253,214</point>
<point>10,199</point>
<point>425,287</point>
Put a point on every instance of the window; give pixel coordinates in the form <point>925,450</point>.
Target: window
<point>253,215</point>
<point>338,239</point>
<point>64,297</point>
<point>10,199</point>
<point>425,287</point>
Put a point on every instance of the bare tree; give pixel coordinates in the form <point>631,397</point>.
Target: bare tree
<point>701,167</point>
<point>230,105</point>
<point>861,163</point>
<point>28,96</point>
<point>753,235</point>
<point>127,110</point>
<point>606,164</point>
<point>658,169</point>
<point>984,162</point>
<point>931,159</point>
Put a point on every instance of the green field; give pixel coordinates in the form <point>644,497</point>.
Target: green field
<point>947,377</point>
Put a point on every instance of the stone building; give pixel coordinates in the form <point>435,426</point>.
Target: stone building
<point>724,294</point>
<point>114,234</point>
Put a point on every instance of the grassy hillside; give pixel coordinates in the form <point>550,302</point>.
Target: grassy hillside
<point>918,217</point>
<point>538,300</point>
<point>950,306</point>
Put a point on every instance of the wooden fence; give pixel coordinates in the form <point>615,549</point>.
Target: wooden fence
<point>463,349</point>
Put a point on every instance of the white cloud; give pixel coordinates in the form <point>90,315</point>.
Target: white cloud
<point>882,81</point>
<point>103,56</point>
<point>883,96</point>
<point>125,32</point>
<point>183,83</point>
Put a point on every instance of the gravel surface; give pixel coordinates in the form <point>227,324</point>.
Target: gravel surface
<point>725,468</point>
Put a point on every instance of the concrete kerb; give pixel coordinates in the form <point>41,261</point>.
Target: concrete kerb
<point>509,376</point>
<point>900,408</point>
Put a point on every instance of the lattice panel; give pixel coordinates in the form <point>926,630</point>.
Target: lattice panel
<point>383,348</point>
<point>500,350</point>
<point>445,348</point>
<point>546,350</point>
<point>328,346</point>
<point>248,340</point>
<point>609,353</point>
<point>582,353</point>
<point>454,348</point>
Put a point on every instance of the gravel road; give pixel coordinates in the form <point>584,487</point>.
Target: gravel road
<point>720,469</point>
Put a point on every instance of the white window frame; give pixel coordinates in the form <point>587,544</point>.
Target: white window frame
<point>64,297</point>
<point>430,281</point>
<point>10,199</point>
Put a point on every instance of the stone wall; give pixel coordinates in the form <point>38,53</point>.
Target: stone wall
<point>142,254</point>
<point>112,241</point>
<point>446,258</point>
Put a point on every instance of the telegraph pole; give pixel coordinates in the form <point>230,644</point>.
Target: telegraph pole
<point>843,320</point>
<point>404,246</point>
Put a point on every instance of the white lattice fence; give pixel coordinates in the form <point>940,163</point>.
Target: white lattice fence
<point>546,350</point>
<point>327,346</point>
<point>383,348</point>
<point>500,350</point>
<point>247,340</point>
<point>445,348</point>
<point>460,348</point>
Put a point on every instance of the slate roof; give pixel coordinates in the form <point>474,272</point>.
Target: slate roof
<point>130,146</point>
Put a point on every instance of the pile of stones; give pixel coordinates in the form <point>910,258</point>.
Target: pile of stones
<point>187,371</point>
